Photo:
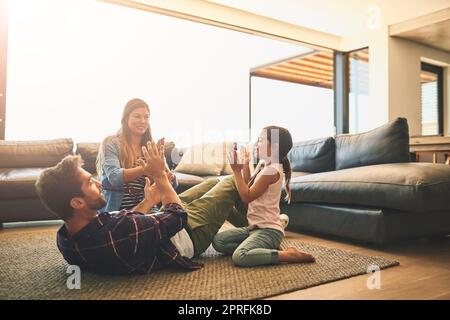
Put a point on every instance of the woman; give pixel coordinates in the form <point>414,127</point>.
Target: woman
<point>117,162</point>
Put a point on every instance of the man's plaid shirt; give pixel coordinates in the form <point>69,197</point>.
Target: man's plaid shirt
<point>127,242</point>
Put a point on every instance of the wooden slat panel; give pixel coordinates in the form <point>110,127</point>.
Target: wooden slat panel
<point>324,61</point>
<point>306,68</point>
<point>324,55</point>
<point>361,55</point>
<point>299,74</point>
<point>315,69</point>
<point>360,59</point>
<point>315,65</point>
<point>427,77</point>
<point>289,78</point>
<point>302,73</point>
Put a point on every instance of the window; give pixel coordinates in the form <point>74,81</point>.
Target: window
<point>359,109</point>
<point>72,66</point>
<point>295,93</point>
<point>431,101</point>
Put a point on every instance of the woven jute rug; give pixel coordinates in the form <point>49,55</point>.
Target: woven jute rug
<point>31,267</point>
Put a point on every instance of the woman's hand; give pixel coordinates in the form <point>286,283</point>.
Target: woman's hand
<point>151,192</point>
<point>154,164</point>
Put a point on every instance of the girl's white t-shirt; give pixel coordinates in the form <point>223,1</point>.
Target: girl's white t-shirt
<point>264,212</point>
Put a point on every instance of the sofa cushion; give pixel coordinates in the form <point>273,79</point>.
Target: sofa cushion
<point>88,151</point>
<point>386,144</point>
<point>18,183</point>
<point>206,159</point>
<point>296,174</point>
<point>185,179</point>
<point>403,186</point>
<point>33,154</point>
<point>313,155</point>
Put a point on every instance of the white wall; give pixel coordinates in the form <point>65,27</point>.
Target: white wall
<point>394,76</point>
<point>404,80</point>
<point>377,113</point>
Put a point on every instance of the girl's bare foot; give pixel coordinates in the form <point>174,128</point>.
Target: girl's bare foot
<point>293,255</point>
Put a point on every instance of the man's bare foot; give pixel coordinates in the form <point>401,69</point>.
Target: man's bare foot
<point>293,255</point>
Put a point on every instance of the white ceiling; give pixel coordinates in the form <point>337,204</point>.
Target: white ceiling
<point>339,17</point>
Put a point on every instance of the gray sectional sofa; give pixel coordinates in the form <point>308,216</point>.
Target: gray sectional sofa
<point>374,194</point>
<point>362,187</point>
<point>21,162</point>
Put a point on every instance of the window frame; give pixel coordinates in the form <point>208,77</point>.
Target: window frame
<point>439,71</point>
<point>4,13</point>
<point>341,90</point>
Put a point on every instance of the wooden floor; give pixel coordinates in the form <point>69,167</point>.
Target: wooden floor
<point>424,271</point>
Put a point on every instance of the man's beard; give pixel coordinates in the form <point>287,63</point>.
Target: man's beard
<point>97,204</point>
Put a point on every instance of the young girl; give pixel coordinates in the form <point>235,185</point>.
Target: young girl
<point>258,243</point>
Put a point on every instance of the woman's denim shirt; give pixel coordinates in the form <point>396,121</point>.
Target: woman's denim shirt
<point>112,174</point>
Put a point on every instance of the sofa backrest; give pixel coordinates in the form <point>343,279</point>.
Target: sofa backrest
<point>386,144</point>
<point>34,154</point>
<point>313,155</point>
<point>88,152</point>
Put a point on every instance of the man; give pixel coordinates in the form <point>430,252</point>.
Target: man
<point>128,242</point>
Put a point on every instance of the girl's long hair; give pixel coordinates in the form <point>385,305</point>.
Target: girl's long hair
<point>285,145</point>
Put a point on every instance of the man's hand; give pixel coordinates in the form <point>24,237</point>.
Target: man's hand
<point>154,164</point>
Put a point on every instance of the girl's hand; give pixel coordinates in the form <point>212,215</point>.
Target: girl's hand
<point>245,155</point>
<point>151,192</point>
<point>235,162</point>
